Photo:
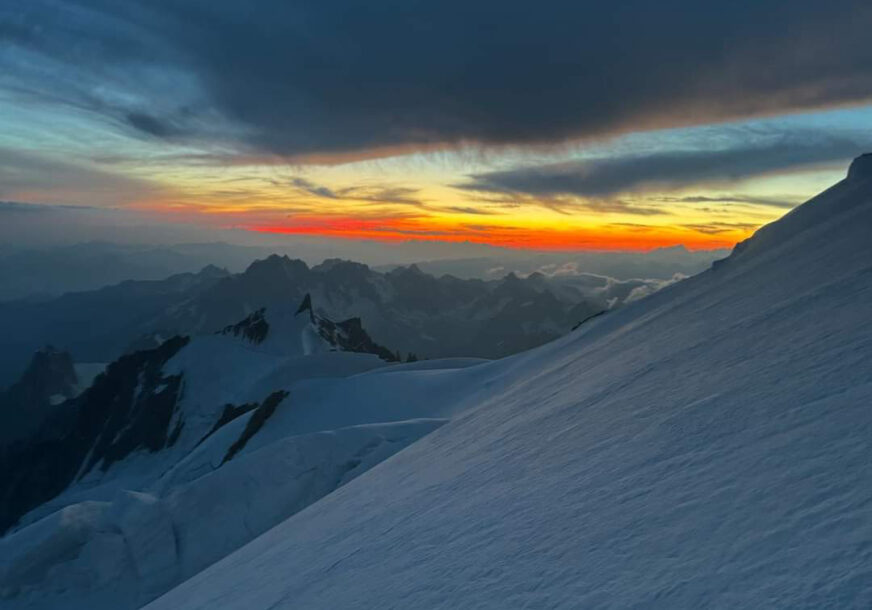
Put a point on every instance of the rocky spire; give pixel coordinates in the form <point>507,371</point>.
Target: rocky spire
<point>306,305</point>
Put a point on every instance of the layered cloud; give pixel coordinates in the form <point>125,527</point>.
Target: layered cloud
<point>343,79</point>
<point>667,169</point>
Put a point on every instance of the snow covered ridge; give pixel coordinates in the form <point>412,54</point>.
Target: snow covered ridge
<point>347,335</point>
<point>318,332</point>
<point>254,327</point>
<point>138,403</point>
<point>705,447</point>
<point>180,454</point>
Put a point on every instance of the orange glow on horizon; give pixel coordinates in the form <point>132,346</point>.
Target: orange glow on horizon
<point>615,237</point>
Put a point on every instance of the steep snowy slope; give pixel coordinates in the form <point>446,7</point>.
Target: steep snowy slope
<point>707,447</point>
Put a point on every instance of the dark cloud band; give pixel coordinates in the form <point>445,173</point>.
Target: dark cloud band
<point>341,77</point>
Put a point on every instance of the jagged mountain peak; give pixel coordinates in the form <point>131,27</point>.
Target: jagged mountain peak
<point>57,362</point>
<point>50,373</point>
<point>213,271</point>
<point>410,270</point>
<point>300,331</point>
<point>48,381</point>
<point>276,263</point>
<point>340,264</point>
<point>350,336</point>
<point>253,328</point>
<point>678,248</point>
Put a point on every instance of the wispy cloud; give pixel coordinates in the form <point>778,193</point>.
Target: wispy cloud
<point>314,189</point>
<point>458,209</point>
<point>369,193</point>
<point>382,194</point>
<point>786,202</point>
<point>716,228</point>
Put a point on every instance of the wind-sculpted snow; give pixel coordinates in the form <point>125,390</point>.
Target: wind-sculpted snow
<point>705,447</point>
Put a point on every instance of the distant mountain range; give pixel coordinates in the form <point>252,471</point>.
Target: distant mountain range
<point>49,272</point>
<point>405,309</point>
<point>660,263</point>
<point>46,272</point>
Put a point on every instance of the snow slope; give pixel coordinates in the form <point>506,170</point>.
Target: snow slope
<point>706,447</point>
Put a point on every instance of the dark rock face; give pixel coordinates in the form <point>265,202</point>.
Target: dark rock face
<point>49,378</point>
<point>229,413</point>
<point>133,403</point>
<point>128,408</point>
<point>861,168</point>
<point>588,319</point>
<point>349,336</point>
<point>258,419</point>
<point>50,372</point>
<point>254,328</point>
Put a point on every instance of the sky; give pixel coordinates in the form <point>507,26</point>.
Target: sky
<point>579,125</point>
